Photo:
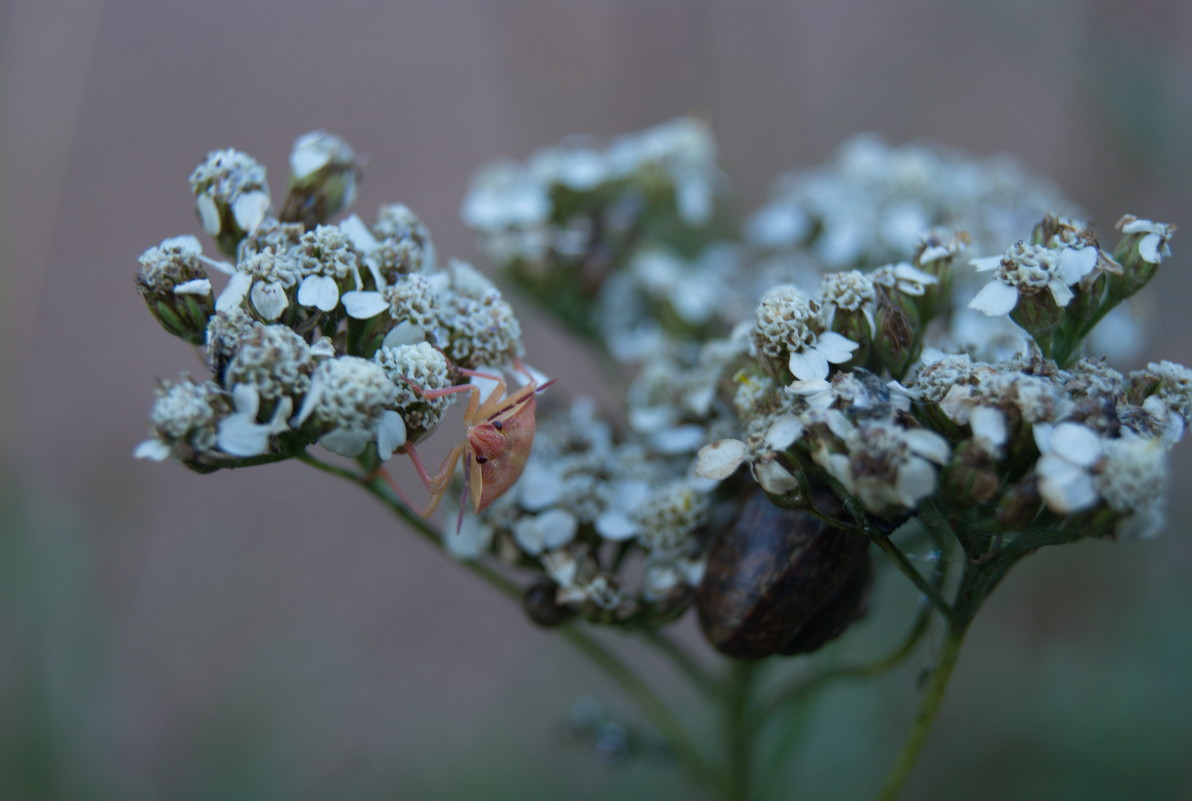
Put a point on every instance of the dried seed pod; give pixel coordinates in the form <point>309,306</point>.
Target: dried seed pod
<point>541,604</point>
<point>782,581</point>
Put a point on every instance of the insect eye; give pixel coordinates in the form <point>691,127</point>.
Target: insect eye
<point>497,424</point>
<point>481,459</point>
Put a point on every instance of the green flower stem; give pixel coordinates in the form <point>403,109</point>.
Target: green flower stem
<point>645,698</point>
<point>648,702</point>
<point>740,733</point>
<point>796,694</point>
<point>902,563</point>
<point>933,695</point>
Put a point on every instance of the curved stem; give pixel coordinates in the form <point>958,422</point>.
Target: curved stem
<point>932,696</point>
<point>902,563</point>
<point>645,698</point>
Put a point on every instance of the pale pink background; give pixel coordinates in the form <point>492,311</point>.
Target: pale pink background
<point>180,624</point>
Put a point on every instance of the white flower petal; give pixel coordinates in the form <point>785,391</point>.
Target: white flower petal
<point>720,459</point>
<point>349,442</point>
<point>928,444</point>
<point>269,299</point>
<point>986,264</point>
<point>916,479</point>
<point>995,299</point>
<point>249,210</point>
<point>1076,443</point>
<point>319,291</point>
<point>1076,263</point>
<point>989,425</point>
<point>196,286</point>
<point>404,333</point>
<point>391,433</point>
<point>616,526</point>
<point>153,449</point>
<point>1064,486</point>
<point>208,214</point>
<point>538,488</point>
<point>557,528</point>
<point>234,293</point>
<point>835,348</point>
<point>809,365</point>
<point>187,243</point>
<point>1148,249</point>
<point>361,237</point>
<point>1063,296</point>
<point>785,431</point>
<point>363,305</point>
<point>774,478</point>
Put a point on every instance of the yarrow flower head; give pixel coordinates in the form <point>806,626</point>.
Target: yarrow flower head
<point>1027,270</point>
<point>231,196</point>
<point>790,334</point>
<point>352,400</point>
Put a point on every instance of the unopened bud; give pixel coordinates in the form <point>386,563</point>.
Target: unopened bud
<point>323,177</point>
<point>175,286</point>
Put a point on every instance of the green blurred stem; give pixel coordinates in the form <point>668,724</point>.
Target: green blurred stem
<point>902,563</point>
<point>933,695</point>
<point>645,698</point>
<point>740,731</point>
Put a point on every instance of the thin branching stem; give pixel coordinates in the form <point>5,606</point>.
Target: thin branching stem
<point>646,699</point>
<point>683,661</point>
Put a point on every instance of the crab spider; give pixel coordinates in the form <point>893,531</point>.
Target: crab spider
<point>500,432</point>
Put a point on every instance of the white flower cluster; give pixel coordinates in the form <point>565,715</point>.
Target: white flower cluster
<point>324,332</point>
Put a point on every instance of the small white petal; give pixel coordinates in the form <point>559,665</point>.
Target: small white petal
<point>615,526</point>
<point>928,444</point>
<point>1064,486</point>
<point>538,488</point>
<point>986,264</point>
<point>242,435</point>
<point>196,286</point>
<point>785,431</point>
<point>349,442</point>
<point>249,210</point>
<point>208,214</point>
<point>404,333</point>
<point>558,528</point>
<point>720,459</point>
<point>989,424</point>
<point>1063,296</point>
<point>835,348</point>
<point>391,433</point>
<point>361,237</point>
<point>916,479</point>
<point>234,293</point>
<point>1148,249</point>
<point>774,478</point>
<point>187,243</point>
<point>1076,443</point>
<point>319,291</point>
<point>995,299</point>
<point>809,365</point>
<point>153,449</point>
<point>363,305</point>
<point>1076,263</point>
<point>304,160</point>
<point>269,299</point>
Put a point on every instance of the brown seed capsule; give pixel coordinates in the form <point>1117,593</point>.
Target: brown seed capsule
<point>539,601</point>
<point>782,581</point>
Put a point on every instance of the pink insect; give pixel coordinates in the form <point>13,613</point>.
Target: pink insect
<point>495,449</point>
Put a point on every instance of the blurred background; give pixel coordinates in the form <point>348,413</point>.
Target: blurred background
<point>268,633</point>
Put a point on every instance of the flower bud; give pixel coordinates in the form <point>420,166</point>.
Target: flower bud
<point>231,196</point>
<point>1139,252</point>
<point>895,346</point>
<point>323,177</point>
<point>175,286</point>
